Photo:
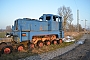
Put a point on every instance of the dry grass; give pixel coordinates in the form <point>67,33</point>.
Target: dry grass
<point>50,48</point>
<point>72,34</point>
<point>2,34</point>
<point>16,55</point>
<point>76,35</point>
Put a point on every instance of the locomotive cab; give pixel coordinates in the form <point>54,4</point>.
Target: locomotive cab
<point>52,20</point>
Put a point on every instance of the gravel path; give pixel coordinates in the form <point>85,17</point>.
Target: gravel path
<point>58,54</point>
<point>82,52</point>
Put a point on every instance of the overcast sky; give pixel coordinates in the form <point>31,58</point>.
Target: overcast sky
<point>10,10</point>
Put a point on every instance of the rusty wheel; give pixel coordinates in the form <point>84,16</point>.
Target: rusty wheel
<point>60,41</point>
<point>40,44</point>
<point>47,42</point>
<point>7,50</point>
<point>20,48</point>
<point>31,46</point>
<point>54,42</point>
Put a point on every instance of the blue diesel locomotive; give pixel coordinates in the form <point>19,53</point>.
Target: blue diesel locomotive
<point>47,29</point>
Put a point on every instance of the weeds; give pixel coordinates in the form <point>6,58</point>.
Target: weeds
<point>2,34</point>
<point>78,37</point>
<point>16,56</point>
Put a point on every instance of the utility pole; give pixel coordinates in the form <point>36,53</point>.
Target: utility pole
<point>77,20</point>
<point>85,25</point>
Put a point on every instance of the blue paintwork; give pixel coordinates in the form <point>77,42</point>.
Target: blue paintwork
<point>43,26</point>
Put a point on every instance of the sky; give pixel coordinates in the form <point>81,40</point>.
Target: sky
<point>10,10</point>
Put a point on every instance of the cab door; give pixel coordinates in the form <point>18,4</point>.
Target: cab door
<point>25,36</point>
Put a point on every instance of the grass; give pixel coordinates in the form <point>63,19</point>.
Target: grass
<point>51,47</point>
<point>2,34</point>
<point>35,51</point>
<point>78,37</point>
<point>16,55</point>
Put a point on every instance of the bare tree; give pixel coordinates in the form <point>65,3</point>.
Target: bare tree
<point>8,28</point>
<point>67,16</point>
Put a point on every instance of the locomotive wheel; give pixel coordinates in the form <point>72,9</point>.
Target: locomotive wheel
<point>20,48</point>
<point>48,43</point>
<point>60,41</point>
<point>40,44</point>
<point>54,42</point>
<point>7,49</point>
<point>31,46</point>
